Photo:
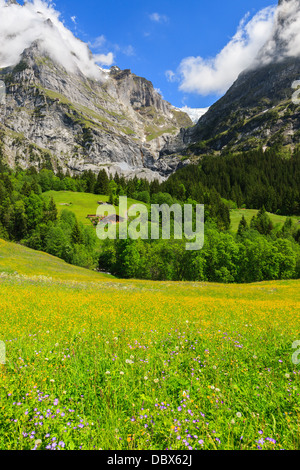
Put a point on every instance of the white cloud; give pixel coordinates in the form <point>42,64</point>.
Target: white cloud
<point>128,50</point>
<point>285,41</point>
<point>98,42</point>
<point>37,20</point>
<point>158,18</point>
<point>73,18</point>
<point>171,76</point>
<point>158,90</point>
<point>104,59</point>
<point>215,75</point>
<point>101,43</point>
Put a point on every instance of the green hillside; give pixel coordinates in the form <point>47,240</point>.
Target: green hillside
<point>237,214</point>
<point>93,362</point>
<point>82,204</point>
<point>18,260</point>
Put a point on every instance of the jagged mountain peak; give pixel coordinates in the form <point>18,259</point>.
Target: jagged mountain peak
<point>67,120</point>
<point>39,64</point>
<point>23,25</point>
<point>63,107</point>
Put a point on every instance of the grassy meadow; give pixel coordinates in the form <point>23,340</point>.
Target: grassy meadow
<point>237,214</point>
<point>82,204</point>
<point>94,362</point>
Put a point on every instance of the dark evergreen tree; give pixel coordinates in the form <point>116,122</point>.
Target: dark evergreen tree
<point>52,211</point>
<point>243,226</point>
<point>102,183</point>
<point>76,235</point>
<point>262,222</point>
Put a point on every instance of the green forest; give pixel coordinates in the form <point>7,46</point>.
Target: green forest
<point>268,181</point>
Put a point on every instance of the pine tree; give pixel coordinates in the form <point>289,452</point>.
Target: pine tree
<point>90,180</point>
<point>111,198</point>
<point>262,222</point>
<point>243,226</point>
<point>102,183</point>
<point>26,189</point>
<point>76,235</point>
<point>52,210</point>
<point>19,222</point>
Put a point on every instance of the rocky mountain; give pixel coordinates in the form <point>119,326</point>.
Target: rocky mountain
<point>258,109</point>
<point>65,120</point>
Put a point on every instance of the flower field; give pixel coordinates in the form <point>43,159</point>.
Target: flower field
<point>93,362</point>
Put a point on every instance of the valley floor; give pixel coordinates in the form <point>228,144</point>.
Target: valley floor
<point>94,362</point>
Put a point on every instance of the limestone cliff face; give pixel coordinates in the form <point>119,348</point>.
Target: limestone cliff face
<point>258,109</point>
<point>67,121</point>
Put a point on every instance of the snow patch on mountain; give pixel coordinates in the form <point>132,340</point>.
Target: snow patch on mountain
<point>194,113</point>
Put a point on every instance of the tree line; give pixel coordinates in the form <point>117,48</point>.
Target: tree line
<point>251,179</point>
<point>27,217</point>
<point>257,252</point>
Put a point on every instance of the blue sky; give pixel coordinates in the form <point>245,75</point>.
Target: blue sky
<point>155,38</point>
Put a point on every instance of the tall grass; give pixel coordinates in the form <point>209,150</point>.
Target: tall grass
<point>97,363</point>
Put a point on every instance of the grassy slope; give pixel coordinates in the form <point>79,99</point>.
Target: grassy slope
<point>237,214</point>
<point>17,259</point>
<point>103,350</point>
<point>81,204</point>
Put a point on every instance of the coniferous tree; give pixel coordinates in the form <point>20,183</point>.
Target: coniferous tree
<point>19,222</point>
<point>52,210</point>
<point>262,222</point>
<point>111,198</point>
<point>102,183</point>
<point>243,226</point>
<point>76,235</point>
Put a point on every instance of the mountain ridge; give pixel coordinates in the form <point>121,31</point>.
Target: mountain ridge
<point>78,123</point>
<point>257,110</point>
